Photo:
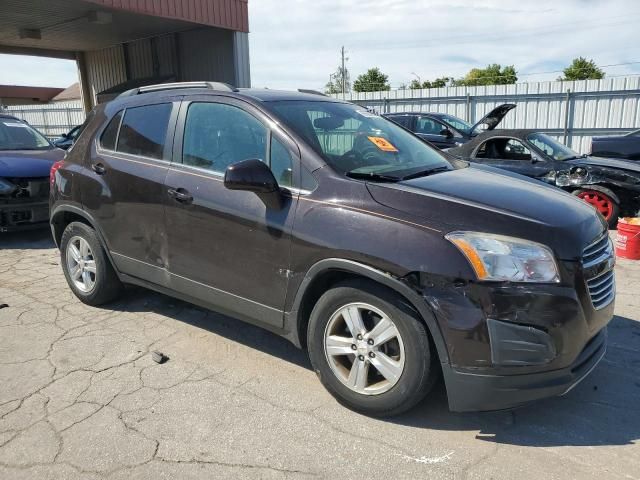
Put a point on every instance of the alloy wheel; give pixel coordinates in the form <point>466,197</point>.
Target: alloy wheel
<point>81,264</point>
<point>364,349</point>
<point>600,201</point>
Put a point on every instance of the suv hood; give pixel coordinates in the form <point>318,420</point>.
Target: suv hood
<point>494,117</point>
<point>28,163</point>
<point>486,199</point>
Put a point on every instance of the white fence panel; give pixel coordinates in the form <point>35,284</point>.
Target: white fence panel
<point>52,119</point>
<point>573,112</point>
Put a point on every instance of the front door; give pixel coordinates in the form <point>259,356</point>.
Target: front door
<point>227,248</point>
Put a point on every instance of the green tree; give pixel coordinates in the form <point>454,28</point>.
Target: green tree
<point>493,74</point>
<point>437,83</point>
<point>582,69</point>
<point>372,81</point>
<point>334,85</point>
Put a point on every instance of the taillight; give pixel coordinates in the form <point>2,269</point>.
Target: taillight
<point>54,168</point>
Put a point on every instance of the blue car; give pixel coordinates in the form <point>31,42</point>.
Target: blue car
<point>26,158</point>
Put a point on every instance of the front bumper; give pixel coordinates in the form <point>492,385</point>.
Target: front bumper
<point>479,392</point>
<point>15,216</point>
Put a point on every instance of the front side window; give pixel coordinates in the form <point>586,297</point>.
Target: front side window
<point>429,126</point>
<point>281,163</point>
<point>217,135</point>
<point>504,149</point>
<point>456,123</point>
<point>144,130</point>
<point>18,135</point>
<point>355,141</point>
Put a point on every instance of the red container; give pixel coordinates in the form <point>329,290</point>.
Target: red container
<point>628,240</point>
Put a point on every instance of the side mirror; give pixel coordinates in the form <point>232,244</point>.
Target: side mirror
<point>535,159</point>
<point>254,176</point>
<point>446,133</point>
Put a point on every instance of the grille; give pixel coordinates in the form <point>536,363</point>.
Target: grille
<point>597,252</point>
<point>602,289</point>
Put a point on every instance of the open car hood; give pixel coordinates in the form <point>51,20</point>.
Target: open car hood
<point>494,117</point>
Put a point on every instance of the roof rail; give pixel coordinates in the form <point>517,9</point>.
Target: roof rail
<point>312,92</point>
<point>224,87</point>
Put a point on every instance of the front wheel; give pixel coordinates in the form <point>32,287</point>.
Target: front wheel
<point>603,201</point>
<point>369,350</point>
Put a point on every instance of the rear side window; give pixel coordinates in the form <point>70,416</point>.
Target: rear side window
<point>144,130</point>
<point>110,134</point>
<point>404,120</point>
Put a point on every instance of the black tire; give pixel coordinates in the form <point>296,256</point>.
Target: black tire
<point>607,194</point>
<point>107,285</point>
<point>420,362</point>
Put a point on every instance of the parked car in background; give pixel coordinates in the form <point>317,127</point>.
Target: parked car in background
<point>617,146</point>
<point>26,157</point>
<point>612,186</point>
<point>446,131</point>
<point>66,139</point>
<point>389,260</point>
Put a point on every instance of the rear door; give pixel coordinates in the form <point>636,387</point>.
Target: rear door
<point>124,189</point>
<point>227,248</point>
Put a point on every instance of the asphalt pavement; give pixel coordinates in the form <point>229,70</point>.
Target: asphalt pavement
<point>82,398</point>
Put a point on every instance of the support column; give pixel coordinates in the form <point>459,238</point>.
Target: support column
<point>242,72</point>
<point>85,91</point>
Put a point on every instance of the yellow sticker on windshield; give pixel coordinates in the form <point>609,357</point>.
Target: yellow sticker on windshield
<point>383,144</point>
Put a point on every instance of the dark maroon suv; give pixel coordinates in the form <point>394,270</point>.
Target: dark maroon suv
<point>388,260</point>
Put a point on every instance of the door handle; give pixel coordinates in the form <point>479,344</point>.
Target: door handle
<point>99,168</point>
<point>180,195</point>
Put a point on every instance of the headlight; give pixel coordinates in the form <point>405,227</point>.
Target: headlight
<point>6,187</point>
<point>501,258</point>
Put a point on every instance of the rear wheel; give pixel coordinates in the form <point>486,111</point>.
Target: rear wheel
<point>369,350</point>
<point>603,201</point>
<point>86,266</point>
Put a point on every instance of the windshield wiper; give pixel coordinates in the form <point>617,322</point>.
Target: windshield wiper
<point>376,177</point>
<point>424,173</point>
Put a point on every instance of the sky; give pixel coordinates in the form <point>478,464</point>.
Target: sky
<point>296,43</point>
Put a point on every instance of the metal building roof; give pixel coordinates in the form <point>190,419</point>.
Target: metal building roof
<point>61,27</point>
<point>231,14</point>
<point>38,94</point>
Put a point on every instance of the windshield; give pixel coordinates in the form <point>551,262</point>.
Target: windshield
<point>456,123</point>
<point>551,147</point>
<point>17,135</point>
<point>357,142</point>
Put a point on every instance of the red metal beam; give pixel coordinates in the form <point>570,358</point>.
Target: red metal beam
<point>230,14</point>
